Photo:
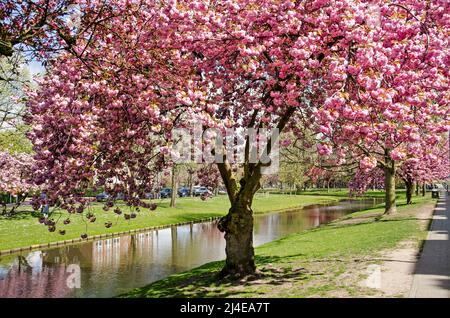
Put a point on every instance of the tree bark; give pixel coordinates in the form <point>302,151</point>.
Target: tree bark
<point>6,48</point>
<point>191,182</point>
<point>173,197</point>
<point>423,189</point>
<point>238,223</point>
<point>409,190</point>
<point>238,228</point>
<point>191,189</point>
<point>389,185</point>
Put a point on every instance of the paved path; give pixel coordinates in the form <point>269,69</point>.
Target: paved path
<point>432,274</point>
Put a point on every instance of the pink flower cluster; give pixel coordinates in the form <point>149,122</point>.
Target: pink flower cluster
<point>15,173</point>
<point>367,163</point>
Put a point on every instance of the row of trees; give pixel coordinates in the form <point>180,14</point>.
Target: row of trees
<point>15,159</point>
<point>430,165</point>
<point>368,79</point>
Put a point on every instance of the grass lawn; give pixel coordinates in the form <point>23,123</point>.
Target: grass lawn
<point>24,229</point>
<point>343,193</point>
<point>335,192</point>
<point>313,263</point>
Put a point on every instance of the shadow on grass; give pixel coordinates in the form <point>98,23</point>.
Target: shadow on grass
<point>204,282</point>
<point>20,215</point>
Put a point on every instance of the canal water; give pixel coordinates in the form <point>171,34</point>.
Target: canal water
<point>108,267</point>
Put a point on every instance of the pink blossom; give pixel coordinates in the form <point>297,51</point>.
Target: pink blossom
<point>324,149</point>
<point>398,154</point>
<point>368,163</point>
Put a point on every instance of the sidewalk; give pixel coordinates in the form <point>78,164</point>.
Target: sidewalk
<point>432,273</point>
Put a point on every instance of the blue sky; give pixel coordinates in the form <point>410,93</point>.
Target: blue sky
<point>35,67</point>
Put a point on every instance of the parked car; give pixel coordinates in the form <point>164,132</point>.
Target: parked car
<point>198,191</point>
<point>183,192</point>
<point>150,195</point>
<point>165,193</point>
<point>101,197</point>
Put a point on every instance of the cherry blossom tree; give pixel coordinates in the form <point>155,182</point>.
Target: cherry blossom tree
<point>15,171</point>
<point>209,176</point>
<point>40,28</point>
<point>364,179</point>
<point>394,88</point>
<point>410,172</point>
<point>432,165</point>
<point>154,66</point>
<point>297,158</point>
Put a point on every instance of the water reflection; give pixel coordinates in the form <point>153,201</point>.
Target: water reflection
<point>112,266</point>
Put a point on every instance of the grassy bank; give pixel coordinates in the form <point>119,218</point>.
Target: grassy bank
<point>317,262</point>
<point>335,192</point>
<point>24,230</point>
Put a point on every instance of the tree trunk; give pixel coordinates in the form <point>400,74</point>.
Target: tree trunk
<point>389,185</point>
<point>191,186</point>
<point>423,189</point>
<point>238,223</point>
<point>417,188</point>
<point>238,228</point>
<point>189,182</point>
<point>173,197</point>
<point>409,190</point>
